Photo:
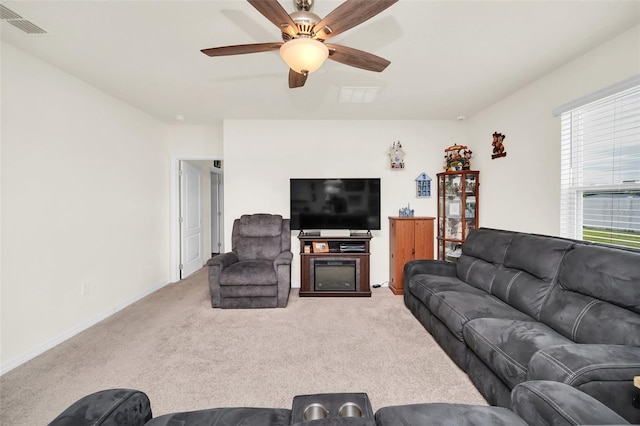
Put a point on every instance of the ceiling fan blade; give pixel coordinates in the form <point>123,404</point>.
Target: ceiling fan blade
<point>274,12</point>
<point>357,58</point>
<point>241,49</point>
<point>349,14</point>
<point>296,79</point>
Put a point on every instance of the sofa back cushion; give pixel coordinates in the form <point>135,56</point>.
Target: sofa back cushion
<point>530,268</point>
<point>482,253</point>
<point>597,296</point>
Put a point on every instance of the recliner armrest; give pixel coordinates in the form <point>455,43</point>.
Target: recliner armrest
<point>107,407</point>
<point>542,402</point>
<point>223,260</point>
<point>283,258</point>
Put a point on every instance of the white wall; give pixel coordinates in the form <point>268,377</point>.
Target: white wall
<point>522,190</point>
<point>194,142</point>
<point>85,190</point>
<point>261,156</point>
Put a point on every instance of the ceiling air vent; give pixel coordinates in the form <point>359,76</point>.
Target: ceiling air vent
<point>18,21</point>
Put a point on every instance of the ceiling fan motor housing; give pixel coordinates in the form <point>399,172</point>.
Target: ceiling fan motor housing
<point>305,21</point>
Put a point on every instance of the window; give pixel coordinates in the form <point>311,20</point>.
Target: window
<point>600,175</point>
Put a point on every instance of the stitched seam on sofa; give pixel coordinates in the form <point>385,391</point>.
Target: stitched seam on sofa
<point>497,349</point>
<point>511,284</point>
<point>550,402</point>
<point>452,308</point>
<point>556,362</point>
<point>466,278</point>
<point>594,367</point>
<point>554,282</point>
<point>429,289</point>
<point>581,315</point>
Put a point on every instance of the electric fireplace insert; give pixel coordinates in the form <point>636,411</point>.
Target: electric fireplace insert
<point>335,274</point>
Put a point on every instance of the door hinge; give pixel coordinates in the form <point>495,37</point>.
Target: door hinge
<point>180,266</point>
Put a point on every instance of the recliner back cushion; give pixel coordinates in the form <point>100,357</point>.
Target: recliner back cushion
<point>258,236</point>
<point>530,267</point>
<point>597,297</point>
<point>482,252</point>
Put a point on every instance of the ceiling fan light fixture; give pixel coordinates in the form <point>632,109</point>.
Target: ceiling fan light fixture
<point>304,55</point>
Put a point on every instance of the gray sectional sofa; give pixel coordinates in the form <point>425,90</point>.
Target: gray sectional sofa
<point>517,307</point>
<point>534,403</point>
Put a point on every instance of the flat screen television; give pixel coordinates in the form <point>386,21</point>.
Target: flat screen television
<point>349,203</point>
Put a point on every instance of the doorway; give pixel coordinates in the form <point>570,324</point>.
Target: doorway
<point>217,236</point>
<point>190,252</point>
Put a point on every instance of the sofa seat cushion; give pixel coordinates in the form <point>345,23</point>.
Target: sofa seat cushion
<point>507,345</point>
<point>439,414</point>
<point>226,416</point>
<point>456,308</point>
<point>249,272</point>
<point>424,286</point>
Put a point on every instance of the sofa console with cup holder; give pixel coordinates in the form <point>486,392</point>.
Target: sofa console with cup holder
<point>533,403</point>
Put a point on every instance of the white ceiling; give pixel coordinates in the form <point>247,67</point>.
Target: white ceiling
<point>448,58</point>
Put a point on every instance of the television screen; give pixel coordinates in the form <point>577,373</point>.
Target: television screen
<point>351,203</point>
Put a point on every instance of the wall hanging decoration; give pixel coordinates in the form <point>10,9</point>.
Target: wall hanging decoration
<point>457,157</point>
<point>498,147</point>
<point>423,185</point>
<point>396,155</point>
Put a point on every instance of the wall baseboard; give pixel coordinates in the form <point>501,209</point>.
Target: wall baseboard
<point>16,362</point>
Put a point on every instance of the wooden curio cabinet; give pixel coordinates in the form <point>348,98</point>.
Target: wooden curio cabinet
<point>457,210</point>
<point>409,238</point>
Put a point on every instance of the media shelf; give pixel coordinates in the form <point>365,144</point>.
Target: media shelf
<point>334,266</point>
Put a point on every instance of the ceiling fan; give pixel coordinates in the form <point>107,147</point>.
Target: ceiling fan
<point>304,34</point>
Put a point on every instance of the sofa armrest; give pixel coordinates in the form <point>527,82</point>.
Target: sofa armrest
<point>424,266</point>
<point>107,407</point>
<point>432,267</point>
<point>580,363</point>
<point>552,403</point>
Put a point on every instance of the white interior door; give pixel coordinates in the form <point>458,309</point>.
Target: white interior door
<point>190,219</point>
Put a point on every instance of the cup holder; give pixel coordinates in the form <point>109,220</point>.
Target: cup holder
<point>331,406</point>
<point>314,412</point>
<point>350,409</point>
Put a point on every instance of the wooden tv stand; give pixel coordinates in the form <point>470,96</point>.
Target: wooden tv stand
<point>325,261</point>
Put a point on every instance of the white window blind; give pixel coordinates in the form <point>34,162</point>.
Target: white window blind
<point>600,170</point>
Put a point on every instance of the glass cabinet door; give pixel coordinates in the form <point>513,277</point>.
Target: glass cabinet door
<point>470,202</point>
<point>457,210</point>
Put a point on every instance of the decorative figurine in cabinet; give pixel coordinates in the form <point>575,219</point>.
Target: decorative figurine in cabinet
<point>409,238</point>
<point>457,210</point>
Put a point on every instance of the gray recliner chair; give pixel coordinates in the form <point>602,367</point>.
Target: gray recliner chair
<point>256,273</point>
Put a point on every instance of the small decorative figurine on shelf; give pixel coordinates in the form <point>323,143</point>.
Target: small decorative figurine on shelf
<point>457,157</point>
<point>423,186</point>
<point>396,154</point>
<point>406,211</point>
<point>498,147</point>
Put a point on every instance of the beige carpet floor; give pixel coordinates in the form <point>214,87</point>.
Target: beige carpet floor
<point>187,356</point>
